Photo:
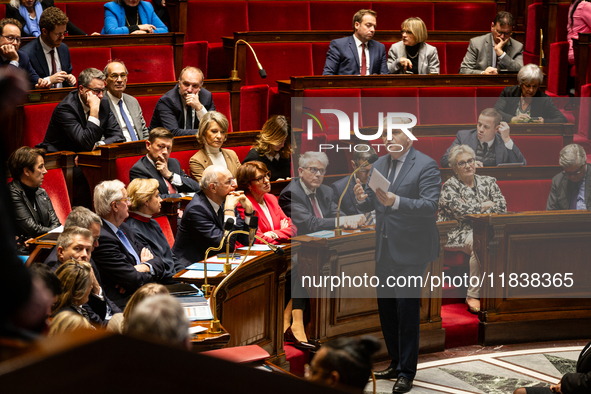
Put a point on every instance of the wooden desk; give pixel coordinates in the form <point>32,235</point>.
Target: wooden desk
<point>554,242</point>
<point>204,341</point>
<point>250,304</point>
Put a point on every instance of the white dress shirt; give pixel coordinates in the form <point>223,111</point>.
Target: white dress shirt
<point>58,64</point>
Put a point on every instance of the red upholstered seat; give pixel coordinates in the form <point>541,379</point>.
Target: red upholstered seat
<point>278,15</point>
<point>561,21</point>
<point>2,11</point>
<point>36,120</point>
<point>347,100</point>
<point>83,58</point>
<point>558,69</point>
<point>487,97</point>
<point>222,104</point>
<point>319,51</point>
<point>394,100</point>
<point>150,63</point>
<point>123,165</point>
<point>240,354</point>
<point>61,6</point>
<point>254,106</point>
<point>442,54</point>
<point>54,184</point>
<point>218,64</point>
<point>217,19</point>
<point>454,54</point>
<point>166,229</point>
<point>539,150</point>
<point>241,151</point>
<point>278,60</point>
<point>584,116</point>
<point>455,259</point>
<point>424,145</point>
<point>464,16</point>
<point>439,147</point>
<point>88,16</point>
<point>535,22</point>
<point>148,103</point>
<point>392,14</point>
<point>195,55</point>
<point>526,195</point>
<point>450,105</point>
<point>276,102</point>
<point>183,157</point>
<point>341,14</point>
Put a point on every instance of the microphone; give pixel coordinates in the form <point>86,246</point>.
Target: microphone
<point>253,224</point>
<point>262,71</point>
<point>276,249</point>
<point>234,72</point>
<point>228,226</point>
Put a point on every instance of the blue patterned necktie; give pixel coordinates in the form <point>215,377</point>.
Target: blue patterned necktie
<point>127,122</point>
<point>128,246</point>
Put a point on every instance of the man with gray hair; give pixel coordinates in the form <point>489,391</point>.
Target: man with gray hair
<point>571,189</point>
<point>80,121</point>
<point>122,262</point>
<point>312,203</point>
<point>160,317</point>
<point>126,108</point>
<point>202,225</point>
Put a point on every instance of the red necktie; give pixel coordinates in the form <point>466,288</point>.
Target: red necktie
<point>315,205</point>
<point>171,189</point>
<point>363,60</point>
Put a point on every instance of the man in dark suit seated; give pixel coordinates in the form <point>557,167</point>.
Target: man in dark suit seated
<point>81,119</point>
<point>123,264</point>
<point>489,53</point>
<point>571,189</point>
<point>77,243</point>
<point>10,41</point>
<point>126,108</point>
<point>48,55</point>
<point>158,165</point>
<point>406,241</point>
<point>313,207</point>
<point>358,54</point>
<point>285,199</point>
<point>349,205</point>
<point>202,225</point>
<point>491,140</point>
<point>181,108</point>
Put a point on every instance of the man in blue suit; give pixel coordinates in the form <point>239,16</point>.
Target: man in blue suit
<point>491,140</point>
<point>349,205</point>
<point>357,54</point>
<point>406,241</point>
<point>48,55</point>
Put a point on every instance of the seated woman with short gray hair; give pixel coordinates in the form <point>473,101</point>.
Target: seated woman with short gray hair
<point>463,194</point>
<point>525,102</point>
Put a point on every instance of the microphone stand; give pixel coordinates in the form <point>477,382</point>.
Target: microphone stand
<point>234,72</point>
<point>206,287</point>
<point>338,232</point>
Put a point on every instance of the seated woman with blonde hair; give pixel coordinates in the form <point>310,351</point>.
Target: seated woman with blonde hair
<point>145,203</point>
<point>413,55</point>
<point>213,132</point>
<point>142,293</point>
<point>273,148</point>
<point>67,321</point>
<point>76,278</point>
<point>463,194</point>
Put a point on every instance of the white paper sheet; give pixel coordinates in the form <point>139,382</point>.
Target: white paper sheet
<point>377,181</point>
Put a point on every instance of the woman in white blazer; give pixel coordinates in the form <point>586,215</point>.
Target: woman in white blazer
<point>413,55</point>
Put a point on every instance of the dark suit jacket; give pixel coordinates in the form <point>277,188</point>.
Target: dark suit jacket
<point>302,212</point>
<point>69,130</point>
<point>117,265</point>
<point>470,138</point>
<point>563,189</point>
<point>96,308</point>
<point>412,233</point>
<point>169,112</point>
<point>285,199</point>
<point>541,106</point>
<point>343,59</point>
<point>39,62</point>
<point>578,382</point>
<point>145,170</point>
<point>349,203</point>
<point>201,228</point>
<point>24,64</point>
<point>12,12</point>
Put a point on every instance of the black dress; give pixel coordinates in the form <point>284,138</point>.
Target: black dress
<point>279,168</point>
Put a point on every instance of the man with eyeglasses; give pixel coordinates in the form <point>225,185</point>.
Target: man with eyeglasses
<point>126,108</point>
<point>494,51</point>
<point>202,225</point>
<point>122,262</point>
<point>49,56</point>
<point>571,189</point>
<point>10,41</point>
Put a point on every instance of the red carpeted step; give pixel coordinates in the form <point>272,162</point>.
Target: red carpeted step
<point>461,327</point>
<point>297,359</point>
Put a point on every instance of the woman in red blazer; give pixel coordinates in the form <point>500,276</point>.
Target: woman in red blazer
<point>274,226</point>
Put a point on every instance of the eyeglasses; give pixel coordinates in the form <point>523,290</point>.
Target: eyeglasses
<point>96,91</point>
<point>315,170</point>
<point>504,33</point>
<point>462,164</point>
<point>117,76</point>
<point>228,182</point>
<point>13,39</point>
<point>125,200</point>
<point>58,35</point>
<point>574,173</point>
<point>405,31</point>
<point>262,178</point>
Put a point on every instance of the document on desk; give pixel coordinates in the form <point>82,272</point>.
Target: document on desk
<point>196,307</point>
<point>377,181</point>
<point>259,248</point>
<point>195,274</point>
